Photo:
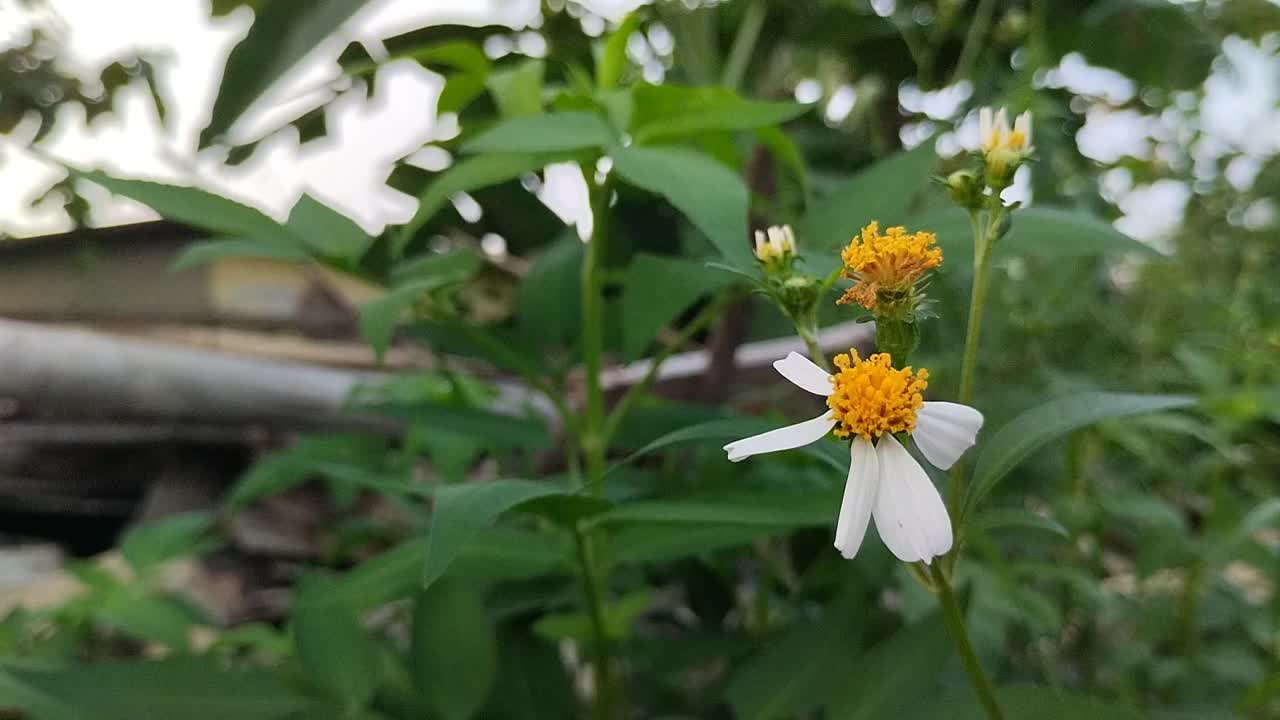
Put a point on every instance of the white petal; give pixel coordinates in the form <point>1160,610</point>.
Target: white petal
<point>986,125</point>
<point>1002,123</point>
<point>784,438</point>
<point>859,497</point>
<point>802,371</point>
<point>1023,125</point>
<point>909,514</point>
<point>944,431</point>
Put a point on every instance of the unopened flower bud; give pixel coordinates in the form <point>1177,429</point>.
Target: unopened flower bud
<point>965,189</point>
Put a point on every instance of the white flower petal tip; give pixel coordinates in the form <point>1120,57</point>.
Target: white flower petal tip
<point>784,438</point>
<point>804,374</point>
<point>944,431</point>
<point>909,513</point>
<point>859,497</point>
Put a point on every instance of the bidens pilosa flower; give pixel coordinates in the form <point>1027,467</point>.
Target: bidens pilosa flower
<point>776,247</point>
<point>1003,148</point>
<point>885,269</point>
<point>873,403</point>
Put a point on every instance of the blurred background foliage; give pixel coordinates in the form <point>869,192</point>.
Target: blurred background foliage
<point>1125,569</point>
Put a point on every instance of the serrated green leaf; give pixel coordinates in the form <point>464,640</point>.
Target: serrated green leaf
<point>1036,231</point>
<point>712,196</point>
<point>282,33</point>
<point>201,253</point>
<point>145,546</point>
<point>455,653</point>
<point>655,290</point>
<point>338,656</point>
<point>326,231</point>
<point>462,511</point>
<point>193,688</point>
<point>196,207</point>
<point>518,91</point>
<point>551,293</point>
<point>914,656</point>
<point>1011,444</point>
<point>613,58</point>
<point>882,192</point>
<point>667,112</point>
<point>470,174</point>
<point>542,133</point>
<point>998,519</point>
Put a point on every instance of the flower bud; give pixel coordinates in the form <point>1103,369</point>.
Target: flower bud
<point>965,189</point>
<point>776,247</point>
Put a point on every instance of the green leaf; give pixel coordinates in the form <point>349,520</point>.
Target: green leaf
<point>18,694</point>
<point>656,290</point>
<point>462,511</point>
<point>495,429</point>
<point>775,510</point>
<point>1041,703</point>
<point>1266,514</point>
<point>794,673</point>
<point>660,543</point>
<point>883,191</point>
<point>455,653</point>
<point>712,196</point>
<point>441,270</point>
<point>195,207</point>
<point>294,465</point>
<point>470,174</point>
<point>326,231</point>
<point>548,132</point>
<point>192,688</point>
<point>496,553</point>
<point>201,253</point>
<point>533,683</point>
<point>379,318</point>
<point>337,654</point>
<point>724,431</point>
<point>283,32</point>
<point>619,617</point>
<point>666,112</point>
<point>551,293</point>
<point>893,674</point>
<point>1013,518</point>
<point>148,545</point>
<point>161,619</point>
<point>613,59</point>
<point>518,91</point>
<point>1036,231</point>
<point>1031,430</point>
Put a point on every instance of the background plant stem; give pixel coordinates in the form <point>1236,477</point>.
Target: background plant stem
<point>592,442</point>
<point>954,619</point>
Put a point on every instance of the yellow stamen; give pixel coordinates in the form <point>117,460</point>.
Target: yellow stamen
<point>890,262</point>
<point>870,398</point>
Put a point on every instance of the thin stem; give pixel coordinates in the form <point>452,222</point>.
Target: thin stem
<point>973,39</point>
<point>954,619</point>
<point>592,432</point>
<point>603,705</point>
<point>744,45</point>
<point>695,326</point>
<point>591,441</point>
<point>815,350</point>
<point>978,298</point>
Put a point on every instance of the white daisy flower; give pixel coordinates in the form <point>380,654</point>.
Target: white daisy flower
<point>871,401</point>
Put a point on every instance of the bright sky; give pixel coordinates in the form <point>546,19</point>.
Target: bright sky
<point>348,168</point>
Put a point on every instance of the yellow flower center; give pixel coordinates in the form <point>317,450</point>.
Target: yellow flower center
<point>1015,140</point>
<point>870,398</point>
<point>891,262</point>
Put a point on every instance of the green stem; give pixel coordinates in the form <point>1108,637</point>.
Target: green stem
<point>592,442</point>
<point>592,586</point>
<point>973,39</point>
<point>815,350</point>
<point>744,45</point>
<point>982,242</point>
<point>592,438</point>
<point>954,619</point>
